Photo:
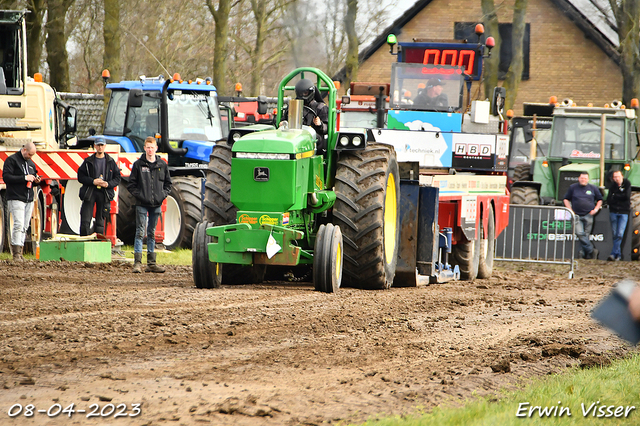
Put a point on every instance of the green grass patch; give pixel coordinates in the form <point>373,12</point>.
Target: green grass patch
<point>576,391</point>
<point>175,257</point>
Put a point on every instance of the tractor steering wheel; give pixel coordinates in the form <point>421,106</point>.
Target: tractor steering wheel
<point>315,114</point>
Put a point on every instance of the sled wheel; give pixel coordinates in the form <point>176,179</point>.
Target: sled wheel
<point>367,187</point>
<point>206,274</point>
<point>487,247</point>
<point>466,254</point>
<point>524,195</point>
<point>327,259</point>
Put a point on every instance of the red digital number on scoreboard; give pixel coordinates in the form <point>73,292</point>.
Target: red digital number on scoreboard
<point>461,58</point>
<point>458,57</point>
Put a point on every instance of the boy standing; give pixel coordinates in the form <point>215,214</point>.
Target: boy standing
<point>150,184</point>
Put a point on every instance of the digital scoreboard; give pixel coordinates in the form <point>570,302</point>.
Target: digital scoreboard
<point>467,55</point>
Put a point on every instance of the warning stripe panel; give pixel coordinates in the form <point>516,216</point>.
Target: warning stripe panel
<point>64,164</point>
<point>61,164</point>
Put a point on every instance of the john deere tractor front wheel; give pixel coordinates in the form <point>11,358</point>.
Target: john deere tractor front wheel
<point>367,187</point>
<point>327,259</point>
<point>205,273</point>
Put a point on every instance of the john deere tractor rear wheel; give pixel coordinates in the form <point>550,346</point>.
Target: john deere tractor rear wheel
<point>367,187</point>
<point>205,273</point>
<point>327,259</point>
<point>219,209</point>
<point>635,226</point>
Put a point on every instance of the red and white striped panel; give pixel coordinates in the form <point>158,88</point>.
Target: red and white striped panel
<point>64,164</point>
<point>59,165</point>
<point>126,160</point>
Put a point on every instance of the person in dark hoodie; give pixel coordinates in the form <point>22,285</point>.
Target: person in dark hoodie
<point>150,184</point>
<point>20,174</point>
<point>316,112</point>
<point>619,201</point>
<point>99,175</point>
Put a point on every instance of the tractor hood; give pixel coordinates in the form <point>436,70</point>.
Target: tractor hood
<point>292,141</point>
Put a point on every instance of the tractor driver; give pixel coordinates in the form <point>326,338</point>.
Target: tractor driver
<point>316,112</point>
<point>432,95</point>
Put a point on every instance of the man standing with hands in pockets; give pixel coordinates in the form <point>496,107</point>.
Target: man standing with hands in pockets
<point>585,200</point>
<point>150,183</point>
<point>99,175</point>
<point>20,174</point>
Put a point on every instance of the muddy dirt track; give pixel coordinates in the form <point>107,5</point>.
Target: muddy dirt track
<point>281,353</point>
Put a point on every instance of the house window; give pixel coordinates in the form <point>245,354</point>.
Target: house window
<point>466,31</point>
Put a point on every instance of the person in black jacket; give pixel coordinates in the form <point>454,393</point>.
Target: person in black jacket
<point>99,175</point>
<point>150,184</point>
<point>316,112</point>
<point>19,174</point>
<point>619,201</point>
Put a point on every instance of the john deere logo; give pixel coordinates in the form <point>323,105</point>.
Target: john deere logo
<point>261,174</point>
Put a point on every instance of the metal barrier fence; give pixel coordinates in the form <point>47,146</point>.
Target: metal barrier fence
<point>538,234</point>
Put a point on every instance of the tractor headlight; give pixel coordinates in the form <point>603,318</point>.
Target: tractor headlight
<point>235,137</point>
<point>352,139</point>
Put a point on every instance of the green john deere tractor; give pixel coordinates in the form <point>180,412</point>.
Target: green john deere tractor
<point>273,201</point>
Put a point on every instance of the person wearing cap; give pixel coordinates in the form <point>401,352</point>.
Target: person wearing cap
<point>99,175</point>
<point>432,96</point>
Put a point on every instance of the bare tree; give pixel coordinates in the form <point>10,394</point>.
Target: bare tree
<point>347,25</point>
<point>300,33</point>
<point>351,63</point>
<point>262,39</point>
<point>57,44</point>
<point>334,36</point>
<point>514,74</point>
<point>220,41</point>
<point>491,64</point>
<point>627,15</point>
<point>86,39</point>
<point>34,21</point>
